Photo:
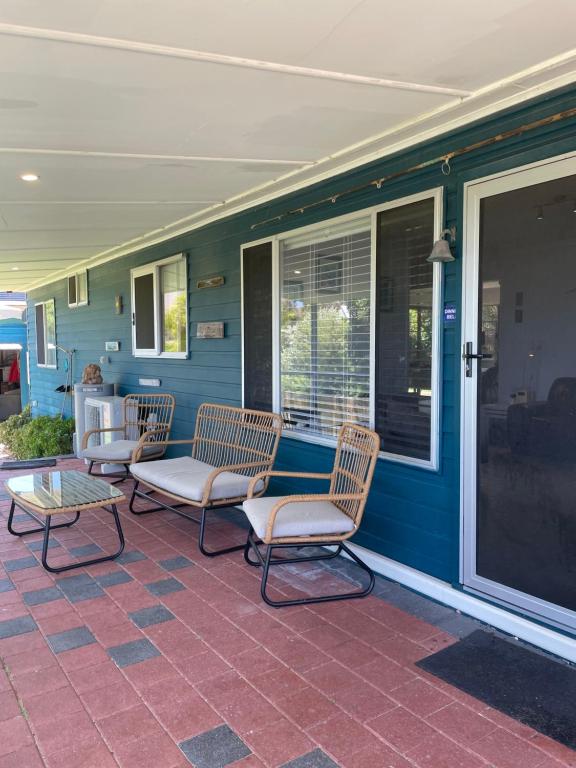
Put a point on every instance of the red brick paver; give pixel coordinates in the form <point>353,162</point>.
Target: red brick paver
<point>339,677</point>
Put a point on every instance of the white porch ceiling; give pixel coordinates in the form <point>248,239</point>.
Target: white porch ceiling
<point>143,119</point>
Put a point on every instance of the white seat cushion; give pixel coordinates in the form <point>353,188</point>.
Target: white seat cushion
<point>187,477</point>
<point>116,451</point>
<point>299,518</point>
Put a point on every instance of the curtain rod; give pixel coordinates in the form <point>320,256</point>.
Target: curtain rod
<point>443,159</point>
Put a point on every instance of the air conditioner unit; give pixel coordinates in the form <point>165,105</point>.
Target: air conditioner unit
<point>103,413</point>
<point>81,392</point>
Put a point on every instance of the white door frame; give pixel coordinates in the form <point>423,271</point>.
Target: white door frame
<point>474,192</point>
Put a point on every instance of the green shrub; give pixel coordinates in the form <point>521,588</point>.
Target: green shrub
<point>12,425</point>
<point>31,438</point>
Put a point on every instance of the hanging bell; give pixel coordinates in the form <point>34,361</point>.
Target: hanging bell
<point>441,249</point>
<point>441,252</point>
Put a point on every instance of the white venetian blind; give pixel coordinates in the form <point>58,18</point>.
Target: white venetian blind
<point>325,328</point>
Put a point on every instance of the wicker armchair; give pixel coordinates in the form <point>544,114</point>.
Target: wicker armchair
<point>147,422</point>
<point>230,446</point>
<point>314,520</point>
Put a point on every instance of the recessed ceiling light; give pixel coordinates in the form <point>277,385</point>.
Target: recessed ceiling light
<point>15,269</point>
<point>29,176</point>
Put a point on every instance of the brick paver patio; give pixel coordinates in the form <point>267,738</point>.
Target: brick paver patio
<point>164,658</point>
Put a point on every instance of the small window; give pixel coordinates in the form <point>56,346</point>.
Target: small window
<point>78,289</point>
<point>72,300</point>
<point>46,334</point>
<point>159,309</point>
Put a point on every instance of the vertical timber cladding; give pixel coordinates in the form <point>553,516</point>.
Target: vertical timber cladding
<point>257,326</point>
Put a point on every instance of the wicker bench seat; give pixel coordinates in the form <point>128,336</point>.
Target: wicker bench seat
<point>230,446</point>
<point>187,477</point>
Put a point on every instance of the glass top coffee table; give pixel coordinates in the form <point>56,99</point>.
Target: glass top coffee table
<point>45,495</point>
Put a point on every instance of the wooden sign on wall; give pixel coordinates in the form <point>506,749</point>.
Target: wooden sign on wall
<point>211,282</point>
<point>210,331</point>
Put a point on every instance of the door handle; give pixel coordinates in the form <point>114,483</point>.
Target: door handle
<point>468,356</point>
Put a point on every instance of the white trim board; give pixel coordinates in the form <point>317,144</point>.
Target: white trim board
<point>441,591</point>
<point>155,49</point>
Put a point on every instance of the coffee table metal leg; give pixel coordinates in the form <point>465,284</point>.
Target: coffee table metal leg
<point>41,527</point>
<point>114,511</point>
<point>53,569</point>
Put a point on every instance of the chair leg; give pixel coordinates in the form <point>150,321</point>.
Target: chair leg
<point>120,477</point>
<point>214,552</point>
<point>283,560</point>
<point>267,560</point>
<point>176,508</point>
<point>141,495</point>
<point>161,507</point>
<point>247,547</point>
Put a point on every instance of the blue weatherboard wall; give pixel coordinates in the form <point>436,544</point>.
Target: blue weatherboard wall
<point>412,514</point>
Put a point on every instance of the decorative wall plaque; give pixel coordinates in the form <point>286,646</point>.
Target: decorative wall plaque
<point>149,382</point>
<point>210,331</point>
<point>211,282</point>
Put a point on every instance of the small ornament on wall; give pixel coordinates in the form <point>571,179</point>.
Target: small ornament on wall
<point>211,282</point>
<point>210,331</point>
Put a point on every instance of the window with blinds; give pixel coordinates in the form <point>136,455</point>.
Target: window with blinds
<point>325,328</point>
<point>334,332</point>
<point>405,328</point>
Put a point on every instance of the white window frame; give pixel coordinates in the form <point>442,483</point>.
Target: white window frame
<point>154,269</point>
<point>76,275</point>
<point>437,194</point>
<point>45,339</point>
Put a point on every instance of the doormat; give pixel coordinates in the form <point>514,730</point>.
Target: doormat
<point>525,685</point>
<point>32,464</point>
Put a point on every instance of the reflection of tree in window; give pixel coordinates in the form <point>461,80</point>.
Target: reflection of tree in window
<point>325,331</point>
<point>173,292</point>
<point>490,331</point>
<point>420,349</point>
